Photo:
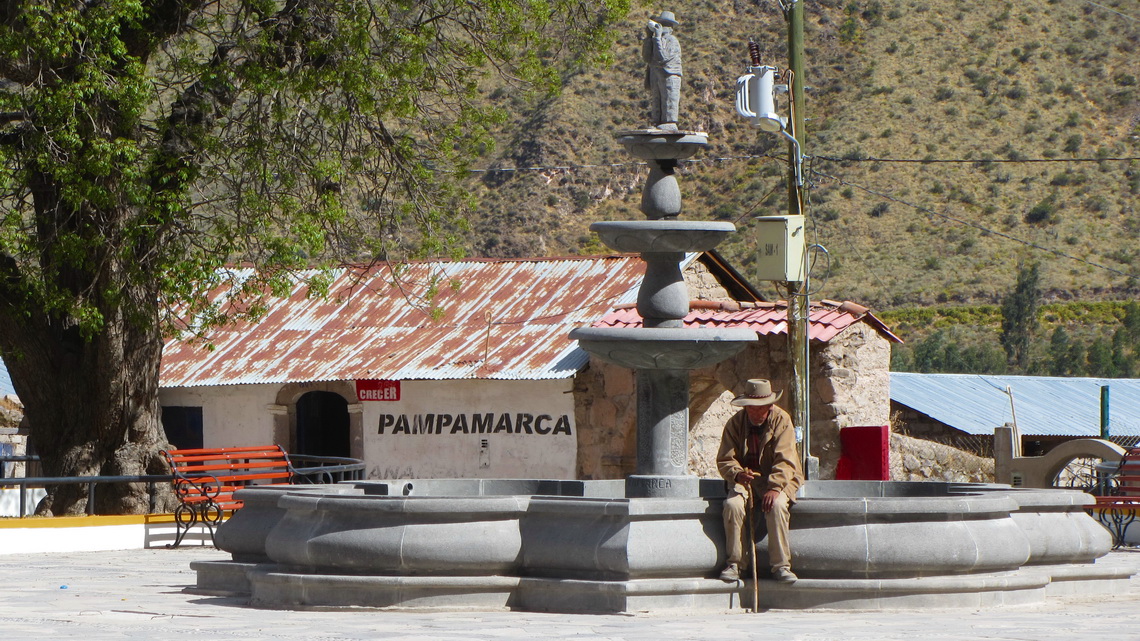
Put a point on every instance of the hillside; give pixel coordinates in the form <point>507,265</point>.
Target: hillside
<point>1031,92</point>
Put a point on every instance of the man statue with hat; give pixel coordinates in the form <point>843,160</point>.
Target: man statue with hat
<point>759,462</point>
<point>662,53</point>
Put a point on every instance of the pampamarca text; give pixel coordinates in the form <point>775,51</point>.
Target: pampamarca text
<point>486,423</point>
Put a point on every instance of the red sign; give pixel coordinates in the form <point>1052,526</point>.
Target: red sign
<point>377,390</point>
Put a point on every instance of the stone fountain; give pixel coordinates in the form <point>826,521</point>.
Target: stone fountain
<point>654,540</point>
<point>662,351</point>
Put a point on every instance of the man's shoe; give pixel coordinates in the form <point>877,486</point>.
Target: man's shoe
<point>730,573</point>
<point>784,575</point>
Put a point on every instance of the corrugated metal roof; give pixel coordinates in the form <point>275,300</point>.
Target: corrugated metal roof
<point>508,319</point>
<point>6,386</point>
<point>1045,405</point>
<point>828,318</point>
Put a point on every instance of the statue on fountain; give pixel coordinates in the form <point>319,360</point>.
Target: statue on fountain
<point>662,54</point>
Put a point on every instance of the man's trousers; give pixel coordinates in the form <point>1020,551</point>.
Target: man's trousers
<point>736,533</point>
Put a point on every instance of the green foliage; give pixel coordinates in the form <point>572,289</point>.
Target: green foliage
<point>1019,315</point>
<point>145,146</point>
<point>944,351</point>
<point>1083,339</point>
<point>1044,211</point>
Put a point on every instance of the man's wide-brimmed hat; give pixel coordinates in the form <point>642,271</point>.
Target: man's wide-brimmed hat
<point>758,392</point>
<point>666,18</point>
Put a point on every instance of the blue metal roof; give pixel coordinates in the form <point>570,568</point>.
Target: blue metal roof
<point>5,381</point>
<point>1045,405</point>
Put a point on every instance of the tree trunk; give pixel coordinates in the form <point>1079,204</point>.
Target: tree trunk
<point>92,404</point>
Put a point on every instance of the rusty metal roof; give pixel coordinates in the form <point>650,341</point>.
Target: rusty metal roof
<point>828,318</point>
<point>507,319</point>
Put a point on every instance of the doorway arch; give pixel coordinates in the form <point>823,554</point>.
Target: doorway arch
<point>285,414</point>
<point>323,425</point>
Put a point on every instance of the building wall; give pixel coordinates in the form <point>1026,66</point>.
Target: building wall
<point>532,431</point>
<point>232,415</point>
<point>479,428</point>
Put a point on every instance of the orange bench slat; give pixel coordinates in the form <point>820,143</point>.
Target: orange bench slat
<point>226,450</point>
<point>232,466</point>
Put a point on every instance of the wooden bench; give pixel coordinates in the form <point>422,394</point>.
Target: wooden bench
<point>1118,509</point>
<point>205,481</point>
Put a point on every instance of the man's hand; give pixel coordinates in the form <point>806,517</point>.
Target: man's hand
<point>745,477</point>
<point>768,500</point>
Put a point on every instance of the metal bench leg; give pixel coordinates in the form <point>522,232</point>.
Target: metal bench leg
<point>1117,522</point>
<point>185,516</point>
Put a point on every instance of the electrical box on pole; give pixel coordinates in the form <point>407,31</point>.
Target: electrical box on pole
<point>780,248</point>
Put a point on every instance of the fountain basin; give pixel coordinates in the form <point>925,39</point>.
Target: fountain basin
<point>855,545</point>
<point>656,144</point>
<point>662,347</point>
<point>662,236</point>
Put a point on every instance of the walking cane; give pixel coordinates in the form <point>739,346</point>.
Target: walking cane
<point>749,513</point>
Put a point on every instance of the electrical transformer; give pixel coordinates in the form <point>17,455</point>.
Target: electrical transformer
<point>780,248</point>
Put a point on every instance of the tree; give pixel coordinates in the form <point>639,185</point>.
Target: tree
<point>1131,320</point>
<point>1123,359</point>
<point>144,144</point>
<point>1019,315</point>
<point>1100,359</point>
<point>1059,344</point>
<point>942,351</point>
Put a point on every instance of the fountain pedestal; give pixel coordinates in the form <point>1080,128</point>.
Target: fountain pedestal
<point>661,351</point>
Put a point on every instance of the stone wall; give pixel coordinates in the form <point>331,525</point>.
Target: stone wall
<point>11,411</point>
<point>914,459</point>
<point>851,387</point>
<point>703,284</point>
<point>13,437</point>
<point>605,411</point>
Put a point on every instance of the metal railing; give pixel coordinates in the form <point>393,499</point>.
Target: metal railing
<point>309,470</point>
<point>326,469</point>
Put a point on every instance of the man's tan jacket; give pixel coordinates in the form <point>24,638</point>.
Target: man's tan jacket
<point>779,459</point>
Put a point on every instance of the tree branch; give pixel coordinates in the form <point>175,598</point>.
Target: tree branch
<point>165,18</point>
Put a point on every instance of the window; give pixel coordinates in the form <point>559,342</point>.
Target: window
<point>183,426</point>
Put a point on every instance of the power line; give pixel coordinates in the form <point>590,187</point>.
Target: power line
<point>980,161</point>
<point>1111,10</point>
<point>923,161</point>
<point>634,163</point>
<point>967,223</point>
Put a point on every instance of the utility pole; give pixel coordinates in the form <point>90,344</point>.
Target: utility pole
<point>799,307</point>
<point>755,100</point>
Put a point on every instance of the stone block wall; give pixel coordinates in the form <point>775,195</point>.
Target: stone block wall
<point>13,436</point>
<point>851,386</point>
<point>11,411</point>
<point>914,459</point>
<point>605,412</point>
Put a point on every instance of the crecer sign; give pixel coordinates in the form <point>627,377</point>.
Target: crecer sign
<point>377,390</point>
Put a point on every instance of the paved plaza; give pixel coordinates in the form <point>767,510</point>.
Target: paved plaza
<point>139,594</point>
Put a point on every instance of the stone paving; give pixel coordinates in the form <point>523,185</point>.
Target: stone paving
<point>139,594</point>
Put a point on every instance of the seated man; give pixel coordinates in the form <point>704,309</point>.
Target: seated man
<point>758,455</point>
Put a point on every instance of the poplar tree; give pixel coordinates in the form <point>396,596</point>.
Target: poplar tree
<point>145,144</point>
<point>1019,315</point>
